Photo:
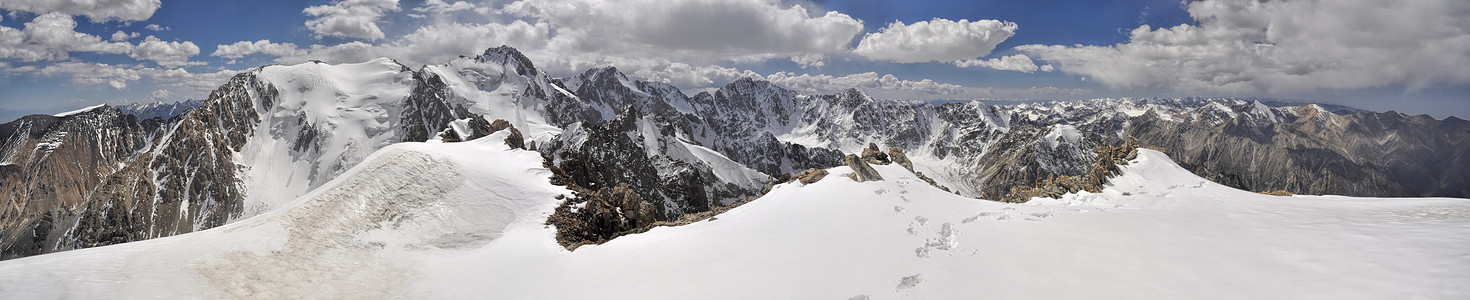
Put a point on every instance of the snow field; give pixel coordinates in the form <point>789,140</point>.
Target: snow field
<point>465,220</point>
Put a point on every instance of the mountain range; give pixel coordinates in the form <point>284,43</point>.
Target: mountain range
<point>271,135</point>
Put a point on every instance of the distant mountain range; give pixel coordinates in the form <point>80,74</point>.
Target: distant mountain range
<point>109,175</point>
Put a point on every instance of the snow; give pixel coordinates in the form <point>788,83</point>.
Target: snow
<point>486,89</point>
<point>725,169</point>
<point>349,107</point>
<point>1061,134</point>
<point>78,111</point>
<point>465,220</point>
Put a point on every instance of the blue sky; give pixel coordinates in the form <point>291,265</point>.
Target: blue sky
<point>1412,57</point>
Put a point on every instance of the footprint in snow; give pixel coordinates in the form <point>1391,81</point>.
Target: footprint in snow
<point>898,209</point>
<point>977,217</point>
<point>922,220</point>
<point>945,241</point>
<point>910,281</point>
<point>859,297</point>
<point>880,191</point>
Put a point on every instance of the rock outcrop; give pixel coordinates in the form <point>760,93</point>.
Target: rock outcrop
<point>872,155</point>
<point>593,217</point>
<point>810,176</point>
<point>1109,158</point>
<point>861,171</point>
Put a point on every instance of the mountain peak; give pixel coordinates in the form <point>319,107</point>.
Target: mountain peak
<point>596,74</point>
<point>509,55</point>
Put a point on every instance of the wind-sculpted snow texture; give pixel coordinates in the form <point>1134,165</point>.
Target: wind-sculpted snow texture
<point>275,133</point>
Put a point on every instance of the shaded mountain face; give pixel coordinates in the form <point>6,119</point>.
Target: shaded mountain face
<point>274,133</point>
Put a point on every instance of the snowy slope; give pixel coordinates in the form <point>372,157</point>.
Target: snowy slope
<point>325,119</point>
<point>464,220</point>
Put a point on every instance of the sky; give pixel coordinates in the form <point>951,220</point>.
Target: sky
<point>1409,56</point>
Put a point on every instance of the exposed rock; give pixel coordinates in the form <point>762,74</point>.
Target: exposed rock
<point>896,154</point>
<point>1106,166</point>
<point>861,171</point>
<point>811,176</point>
<point>50,164</point>
<point>1277,193</point>
<point>872,155</point>
<point>595,216</point>
<point>482,128</point>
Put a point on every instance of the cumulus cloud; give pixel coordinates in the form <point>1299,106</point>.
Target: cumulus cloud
<point>52,36</point>
<point>813,60</point>
<point>935,40</point>
<point>168,54</point>
<point>156,27</point>
<point>707,29</point>
<point>1018,63</point>
<point>349,18</point>
<point>173,84</point>
<point>96,11</point>
<point>120,36</point>
<point>243,48</point>
<point>94,74</point>
<point>439,7</point>
<point>1284,47</point>
<point>823,83</point>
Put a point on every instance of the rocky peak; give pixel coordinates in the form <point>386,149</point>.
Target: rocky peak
<point>509,56</point>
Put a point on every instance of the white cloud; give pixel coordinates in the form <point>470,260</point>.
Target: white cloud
<point>1018,63</point>
<point>1284,47</point>
<point>814,60</point>
<point>96,11</point>
<point>439,7</point>
<point>92,74</point>
<point>169,84</point>
<point>120,36</point>
<point>52,36</point>
<point>822,83</point>
<point>684,75</point>
<point>168,54</point>
<point>156,27</point>
<point>704,30</point>
<point>243,48</point>
<point>159,94</point>
<point>662,39</point>
<point>935,40</point>
<point>349,18</point>
<point>435,44</point>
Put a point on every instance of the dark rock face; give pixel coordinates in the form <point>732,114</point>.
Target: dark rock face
<point>186,182</point>
<point>50,164</point>
<point>593,217</point>
<point>1109,158</point>
<point>1314,151</point>
<point>872,155</point>
<point>861,171</point>
<point>616,152</point>
<point>428,109</point>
